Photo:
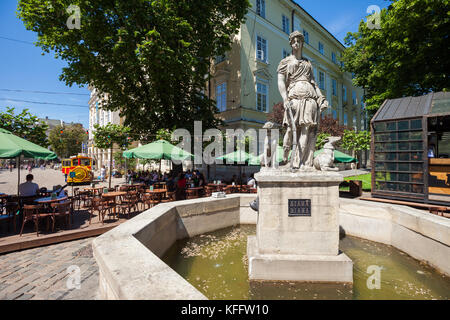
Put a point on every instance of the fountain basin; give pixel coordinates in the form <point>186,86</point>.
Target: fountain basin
<point>129,256</point>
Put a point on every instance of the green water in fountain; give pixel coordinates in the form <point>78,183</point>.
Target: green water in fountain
<point>216,264</point>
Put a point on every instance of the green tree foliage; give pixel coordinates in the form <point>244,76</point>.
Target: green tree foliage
<point>320,141</point>
<point>106,136</point>
<point>121,161</point>
<point>25,125</point>
<point>66,140</point>
<point>355,141</point>
<point>152,58</point>
<point>408,56</point>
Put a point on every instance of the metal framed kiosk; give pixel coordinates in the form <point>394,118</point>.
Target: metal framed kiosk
<point>410,152</point>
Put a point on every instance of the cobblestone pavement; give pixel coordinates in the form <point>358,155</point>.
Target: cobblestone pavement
<point>46,272</point>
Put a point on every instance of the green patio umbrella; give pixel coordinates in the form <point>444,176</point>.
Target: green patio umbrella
<point>12,146</point>
<point>160,149</point>
<point>239,156</point>
<point>256,160</point>
<point>338,156</point>
<point>236,156</point>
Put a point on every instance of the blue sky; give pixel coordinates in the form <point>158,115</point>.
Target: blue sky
<point>22,67</point>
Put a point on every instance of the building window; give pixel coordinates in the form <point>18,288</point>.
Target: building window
<point>354,100</point>
<point>344,94</point>
<point>334,86</point>
<point>285,53</point>
<point>261,49</point>
<point>221,96</point>
<point>354,122</point>
<point>261,8</point>
<point>334,114</point>
<point>321,80</point>
<point>345,119</point>
<point>306,35</point>
<point>285,23</point>
<point>333,57</point>
<point>261,97</point>
<point>321,47</point>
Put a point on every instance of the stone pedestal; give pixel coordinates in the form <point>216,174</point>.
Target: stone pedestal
<point>297,233</point>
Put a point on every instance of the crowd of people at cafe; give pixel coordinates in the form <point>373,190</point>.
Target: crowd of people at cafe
<point>179,182</point>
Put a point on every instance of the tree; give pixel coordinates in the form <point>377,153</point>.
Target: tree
<point>407,56</point>
<point>121,161</point>
<point>151,59</point>
<point>332,126</point>
<point>66,140</point>
<point>355,142</point>
<point>320,141</point>
<point>25,125</point>
<point>277,114</point>
<point>106,136</point>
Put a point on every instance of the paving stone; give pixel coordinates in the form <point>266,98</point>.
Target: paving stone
<point>13,296</point>
<point>26,296</point>
<point>26,289</point>
<point>41,273</point>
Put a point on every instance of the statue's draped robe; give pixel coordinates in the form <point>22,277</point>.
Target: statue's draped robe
<point>305,100</point>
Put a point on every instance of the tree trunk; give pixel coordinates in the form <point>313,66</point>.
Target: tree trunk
<point>110,166</point>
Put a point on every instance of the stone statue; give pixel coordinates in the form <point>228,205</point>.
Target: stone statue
<point>303,103</point>
<point>325,160</point>
<point>269,157</point>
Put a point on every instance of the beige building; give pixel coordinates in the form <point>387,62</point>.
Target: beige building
<point>244,82</point>
<point>102,118</point>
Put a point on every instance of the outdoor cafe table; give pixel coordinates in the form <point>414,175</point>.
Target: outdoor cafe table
<point>193,192</point>
<point>218,187</point>
<point>95,190</point>
<point>112,196</point>
<point>136,186</point>
<point>47,201</point>
<point>156,191</point>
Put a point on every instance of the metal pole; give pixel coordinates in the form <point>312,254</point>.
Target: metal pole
<point>18,175</point>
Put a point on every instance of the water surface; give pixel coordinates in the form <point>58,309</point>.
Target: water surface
<point>216,264</point>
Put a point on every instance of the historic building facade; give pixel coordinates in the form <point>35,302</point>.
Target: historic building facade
<point>245,84</point>
<point>102,118</point>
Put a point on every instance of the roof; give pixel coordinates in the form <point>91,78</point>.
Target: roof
<point>414,107</point>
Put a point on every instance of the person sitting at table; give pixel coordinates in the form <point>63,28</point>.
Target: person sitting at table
<point>251,182</point>
<point>201,179</point>
<point>170,183</point>
<point>180,193</point>
<point>195,178</point>
<point>28,188</point>
<point>234,179</point>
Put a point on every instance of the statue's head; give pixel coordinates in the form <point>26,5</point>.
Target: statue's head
<point>296,35</point>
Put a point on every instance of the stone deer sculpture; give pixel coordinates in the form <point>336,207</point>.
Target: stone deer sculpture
<point>325,160</point>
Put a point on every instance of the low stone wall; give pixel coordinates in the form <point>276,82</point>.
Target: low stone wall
<point>420,234</point>
<point>129,255</point>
